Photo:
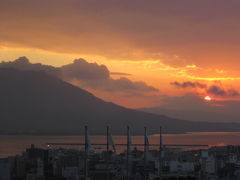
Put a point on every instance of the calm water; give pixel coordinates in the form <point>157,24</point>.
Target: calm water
<point>12,145</point>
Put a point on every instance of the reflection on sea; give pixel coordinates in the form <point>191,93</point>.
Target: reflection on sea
<point>12,145</point>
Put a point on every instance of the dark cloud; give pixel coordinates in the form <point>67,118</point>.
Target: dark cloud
<point>23,63</point>
<point>216,90</point>
<point>85,75</point>
<point>121,84</point>
<point>124,83</point>
<point>188,84</point>
<point>92,75</point>
<point>81,69</point>
<point>233,92</point>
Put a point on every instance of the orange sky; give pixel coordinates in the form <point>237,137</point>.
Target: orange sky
<point>157,42</point>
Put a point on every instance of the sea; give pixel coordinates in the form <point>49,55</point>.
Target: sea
<point>11,145</point>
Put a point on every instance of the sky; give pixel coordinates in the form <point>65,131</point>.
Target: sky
<point>138,53</point>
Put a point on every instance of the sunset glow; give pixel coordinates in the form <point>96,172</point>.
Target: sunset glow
<point>137,44</point>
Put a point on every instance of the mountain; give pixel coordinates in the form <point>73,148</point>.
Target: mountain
<point>210,115</point>
<point>38,103</point>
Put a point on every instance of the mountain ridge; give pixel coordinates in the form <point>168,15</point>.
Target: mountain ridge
<point>38,103</point>
<point>211,115</point>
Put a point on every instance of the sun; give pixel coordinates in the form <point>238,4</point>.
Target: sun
<point>207,98</point>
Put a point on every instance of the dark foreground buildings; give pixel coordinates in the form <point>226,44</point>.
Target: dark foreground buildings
<point>70,164</point>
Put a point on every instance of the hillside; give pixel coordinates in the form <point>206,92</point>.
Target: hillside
<point>37,103</point>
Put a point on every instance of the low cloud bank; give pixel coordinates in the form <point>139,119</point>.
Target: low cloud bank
<point>85,75</point>
<point>216,90</point>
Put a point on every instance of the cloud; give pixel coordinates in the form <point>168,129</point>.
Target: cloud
<point>136,29</point>
<point>85,75</point>
<point>23,63</point>
<point>92,75</point>
<point>121,84</point>
<point>81,69</point>
<point>124,83</point>
<point>216,90</point>
<point>188,84</point>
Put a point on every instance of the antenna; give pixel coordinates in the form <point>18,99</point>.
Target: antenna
<point>160,152</point>
<point>145,152</point>
<point>107,152</point>
<point>128,150</point>
<point>86,153</point>
<point>107,139</point>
